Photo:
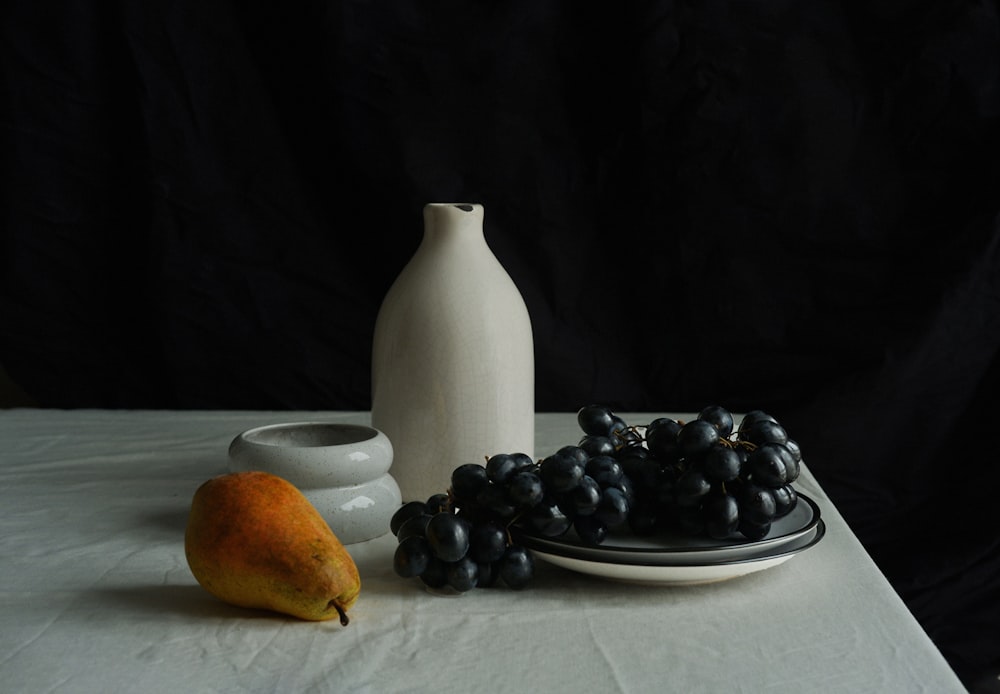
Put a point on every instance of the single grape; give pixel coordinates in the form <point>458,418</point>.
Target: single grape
<point>435,575</point>
<point>691,489</point>
<point>631,457</point>
<point>548,519</point>
<point>751,418</point>
<point>796,467</point>
<point>753,531</point>
<point>661,438</point>
<point>722,516</point>
<point>411,557</point>
<point>597,445</point>
<point>417,525</point>
<point>517,567</point>
<point>604,470</point>
<point>574,452</point>
<point>757,504</point>
<point>764,431</point>
<point>613,508</point>
<point>722,463</point>
<point>658,422</point>
<point>785,498</point>
<point>590,530</point>
<point>561,472</point>
<point>626,487</point>
<point>720,418</point>
<point>487,543</point>
<point>696,438</point>
<point>437,503</point>
<point>794,449</point>
<point>462,575</point>
<point>523,462</point>
<point>500,468</point>
<point>596,420</point>
<point>525,489</point>
<point>448,537</point>
<point>467,481</point>
<point>405,513</point>
<point>769,465</point>
<point>585,497</point>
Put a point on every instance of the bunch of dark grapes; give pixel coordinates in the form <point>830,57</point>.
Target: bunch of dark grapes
<point>700,477</point>
<point>461,539</point>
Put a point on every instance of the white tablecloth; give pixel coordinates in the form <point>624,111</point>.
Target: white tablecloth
<point>96,595</point>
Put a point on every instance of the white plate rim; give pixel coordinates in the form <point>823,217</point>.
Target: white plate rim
<point>676,575</point>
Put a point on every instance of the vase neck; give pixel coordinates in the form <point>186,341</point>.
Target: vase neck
<point>460,220</point>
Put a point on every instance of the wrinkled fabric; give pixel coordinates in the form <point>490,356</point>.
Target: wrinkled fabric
<point>758,204</point>
<point>97,595</point>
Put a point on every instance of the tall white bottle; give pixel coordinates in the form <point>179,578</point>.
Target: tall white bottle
<point>453,375</point>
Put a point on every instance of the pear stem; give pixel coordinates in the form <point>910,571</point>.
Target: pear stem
<point>344,621</point>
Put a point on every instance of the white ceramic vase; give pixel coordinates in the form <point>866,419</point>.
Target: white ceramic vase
<point>453,376</point>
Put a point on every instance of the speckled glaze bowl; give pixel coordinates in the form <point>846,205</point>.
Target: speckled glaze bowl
<point>343,469</point>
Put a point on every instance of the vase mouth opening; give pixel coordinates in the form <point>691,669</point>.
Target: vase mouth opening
<point>463,206</point>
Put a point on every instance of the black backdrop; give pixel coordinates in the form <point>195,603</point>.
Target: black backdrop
<point>780,205</point>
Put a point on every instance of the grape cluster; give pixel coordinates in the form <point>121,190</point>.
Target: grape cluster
<point>700,477</point>
<point>461,539</point>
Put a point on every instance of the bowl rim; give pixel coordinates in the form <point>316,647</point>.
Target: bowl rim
<point>259,436</point>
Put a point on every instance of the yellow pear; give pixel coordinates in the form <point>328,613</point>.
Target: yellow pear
<point>254,540</point>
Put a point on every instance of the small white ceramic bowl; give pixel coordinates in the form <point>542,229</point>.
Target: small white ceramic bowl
<point>343,469</point>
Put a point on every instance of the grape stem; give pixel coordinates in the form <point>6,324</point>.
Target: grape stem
<point>506,528</point>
